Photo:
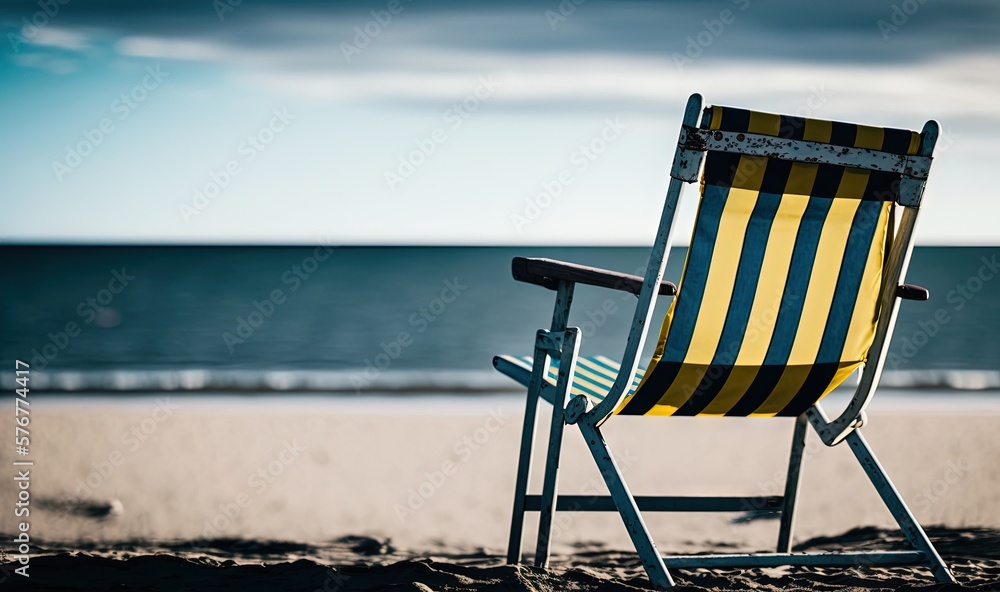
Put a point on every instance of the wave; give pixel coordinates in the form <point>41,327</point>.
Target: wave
<point>962,380</point>
<point>397,381</point>
<point>245,381</point>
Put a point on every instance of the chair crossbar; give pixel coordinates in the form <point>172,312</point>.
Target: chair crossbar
<point>915,167</point>
<point>797,559</point>
<point>604,503</point>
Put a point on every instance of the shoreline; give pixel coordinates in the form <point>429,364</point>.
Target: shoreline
<point>896,400</point>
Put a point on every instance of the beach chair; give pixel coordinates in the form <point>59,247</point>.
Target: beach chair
<point>803,233</point>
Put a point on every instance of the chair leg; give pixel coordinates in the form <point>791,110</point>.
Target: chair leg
<point>792,485</point>
<point>890,496</point>
<point>567,367</point>
<point>539,368</point>
<point>641,539</point>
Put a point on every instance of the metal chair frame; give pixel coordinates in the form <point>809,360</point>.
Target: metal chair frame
<point>563,343</point>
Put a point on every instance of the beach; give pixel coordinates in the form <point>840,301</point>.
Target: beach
<point>391,491</point>
<point>262,261</point>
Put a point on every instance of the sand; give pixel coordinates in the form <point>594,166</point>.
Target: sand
<point>388,492</point>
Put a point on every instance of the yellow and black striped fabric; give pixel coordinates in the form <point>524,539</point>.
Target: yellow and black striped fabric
<point>778,301</point>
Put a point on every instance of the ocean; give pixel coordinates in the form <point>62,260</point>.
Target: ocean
<point>355,320</point>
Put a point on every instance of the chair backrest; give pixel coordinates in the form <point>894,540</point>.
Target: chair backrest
<point>783,285</point>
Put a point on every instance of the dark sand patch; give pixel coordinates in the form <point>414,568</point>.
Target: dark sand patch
<point>365,564</point>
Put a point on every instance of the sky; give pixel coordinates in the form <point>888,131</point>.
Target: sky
<point>438,122</point>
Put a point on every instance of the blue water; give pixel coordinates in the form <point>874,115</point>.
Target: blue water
<point>357,319</point>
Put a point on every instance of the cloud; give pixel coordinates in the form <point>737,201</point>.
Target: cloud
<point>179,49</point>
<point>48,62</point>
<point>623,55</point>
<point>955,85</point>
<point>61,38</point>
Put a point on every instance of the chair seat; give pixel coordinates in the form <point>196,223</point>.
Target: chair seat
<point>593,378</point>
<point>595,375</point>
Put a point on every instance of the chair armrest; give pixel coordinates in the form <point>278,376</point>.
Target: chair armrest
<point>549,272</point>
<point>912,292</point>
